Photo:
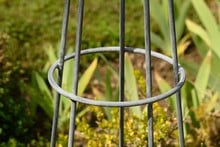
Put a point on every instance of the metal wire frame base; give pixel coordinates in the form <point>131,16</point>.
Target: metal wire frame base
<point>179,74</point>
<point>94,102</point>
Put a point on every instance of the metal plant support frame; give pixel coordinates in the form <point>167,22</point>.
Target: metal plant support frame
<point>179,74</point>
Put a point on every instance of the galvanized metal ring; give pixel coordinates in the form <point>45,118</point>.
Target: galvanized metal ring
<point>106,103</point>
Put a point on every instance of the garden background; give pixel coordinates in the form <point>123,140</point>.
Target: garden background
<point>29,43</point>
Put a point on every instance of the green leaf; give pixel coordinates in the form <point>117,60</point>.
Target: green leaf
<point>183,7</point>
<point>67,85</point>
<point>130,85</point>
<point>195,121</point>
<point>68,75</point>
<point>51,57</point>
<point>206,17</point>
<point>157,40</point>
<point>108,87</point>
<point>183,44</point>
<point>214,79</point>
<point>191,68</point>
<point>189,97</point>
<point>44,97</point>
<point>51,54</point>
<point>198,30</point>
<point>164,87</point>
<point>212,103</point>
<point>203,76</point>
<point>195,99</point>
<point>159,16</point>
<point>210,24</point>
<point>41,83</point>
<point>86,77</point>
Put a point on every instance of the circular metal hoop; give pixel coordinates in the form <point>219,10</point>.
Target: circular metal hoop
<point>147,100</point>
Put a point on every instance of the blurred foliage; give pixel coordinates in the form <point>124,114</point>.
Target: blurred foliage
<point>107,88</point>
<point>16,115</point>
<point>39,87</point>
<point>26,29</point>
<point>201,94</point>
<point>21,35</point>
<point>106,131</point>
<point>160,33</point>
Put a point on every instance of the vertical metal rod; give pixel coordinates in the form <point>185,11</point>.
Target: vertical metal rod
<point>148,70</point>
<point>76,71</point>
<point>60,71</point>
<point>175,67</point>
<point>121,71</point>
